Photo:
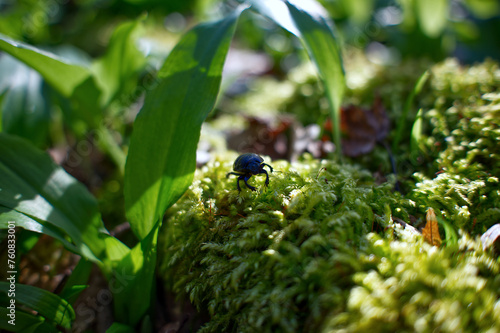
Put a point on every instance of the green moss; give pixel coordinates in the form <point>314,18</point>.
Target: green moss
<point>277,258</point>
<point>319,251</point>
<point>464,116</point>
<point>416,287</point>
<point>463,140</point>
<point>300,255</point>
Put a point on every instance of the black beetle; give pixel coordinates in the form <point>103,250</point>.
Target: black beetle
<point>247,165</point>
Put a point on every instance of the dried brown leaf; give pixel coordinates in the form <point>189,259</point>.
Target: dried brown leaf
<point>431,230</point>
<point>363,128</point>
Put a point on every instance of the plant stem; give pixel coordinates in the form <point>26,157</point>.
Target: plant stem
<point>109,145</point>
<point>409,102</point>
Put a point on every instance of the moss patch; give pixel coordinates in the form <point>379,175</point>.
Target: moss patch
<point>326,248</point>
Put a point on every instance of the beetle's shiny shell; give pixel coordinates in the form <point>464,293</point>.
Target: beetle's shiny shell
<point>245,160</point>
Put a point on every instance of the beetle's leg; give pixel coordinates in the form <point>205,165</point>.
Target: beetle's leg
<point>267,176</point>
<point>240,177</point>
<point>270,167</point>
<point>245,178</point>
<point>238,182</point>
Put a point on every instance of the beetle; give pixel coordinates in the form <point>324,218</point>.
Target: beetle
<point>247,165</point>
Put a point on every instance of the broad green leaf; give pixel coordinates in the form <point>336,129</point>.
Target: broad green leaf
<point>77,281</point>
<point>31,184</point>
<point>120,328</point>
<point>162,154</point>
<point>60,74</point>
<point>72,81</point>
<point>23,221</point>
<point>117,71</point>
<point>26,241</point>
<point>483,9</point>
<point>25,111</point>
<point>277,11</point>
<point>432,15</point>
<point>50,306</point>
<point>115,249</point>
<point>310,23</point>
<point>24,322</point>
<point>146,325</point>
<point>359,11</point>
<point>136,271</point>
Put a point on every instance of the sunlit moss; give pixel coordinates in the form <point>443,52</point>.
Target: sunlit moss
<point>323,249</point>
<point>302,255</point>
<point>422,289</point>
<point>463,141</point>
<point>277,258</point>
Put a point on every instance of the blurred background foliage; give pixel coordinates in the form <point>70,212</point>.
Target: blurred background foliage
<point>388,30</point>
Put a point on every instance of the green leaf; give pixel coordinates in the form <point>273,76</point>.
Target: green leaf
<point>162,154</point>
<point>432,15</point>
<point>136,271</point>
<point>146,326</point>
<point>310,23</point>
<point>483,10</point>
<point>72,81</point>
<point>76,282</point>
<point>31,184</point>
<point>408,105</point>
<point>50,306</point>
<point>115,249</point>
<point>416,134</point>
<point>24,322</point>
<point>451,237</point>
<point>23,221</point>
<point>118,70</point>
<point>71,293</point>
<point>120,328</point>
<point>25,111</point>
<point>69,79</point>
<point>26,241</point>
<point>359,11</point>
<point>2,97</point>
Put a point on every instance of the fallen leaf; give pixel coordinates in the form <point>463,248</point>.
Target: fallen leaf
<point>491,237</point>
<point>362,128</point>
<point>279,137</point>
<point>431,230</point>
<point>358,136</point>
<point>264,136</point>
